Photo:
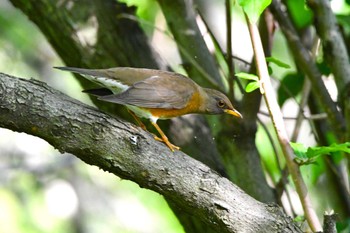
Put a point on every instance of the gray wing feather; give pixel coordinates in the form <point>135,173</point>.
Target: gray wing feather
<point>155,92</point>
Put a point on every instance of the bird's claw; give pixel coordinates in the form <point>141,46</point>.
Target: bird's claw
<point>171,146</point>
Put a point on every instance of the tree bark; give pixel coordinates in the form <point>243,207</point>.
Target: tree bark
<point>129,152</point>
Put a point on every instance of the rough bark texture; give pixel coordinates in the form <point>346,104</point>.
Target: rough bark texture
<point>125,150</point>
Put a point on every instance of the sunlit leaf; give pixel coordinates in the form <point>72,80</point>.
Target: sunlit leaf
<point>252,86</point>
<point>247,76</point>
<point>299,218</point>
<point>299,150</point>
<point>255,84</point>
<point>254,8</point>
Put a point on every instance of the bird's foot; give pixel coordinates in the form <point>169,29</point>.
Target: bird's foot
<point>171,146</point>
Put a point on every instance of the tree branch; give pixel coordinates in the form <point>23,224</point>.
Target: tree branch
<point>127,151</point>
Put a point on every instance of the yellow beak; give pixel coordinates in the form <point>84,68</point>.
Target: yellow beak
<point>233,112</point>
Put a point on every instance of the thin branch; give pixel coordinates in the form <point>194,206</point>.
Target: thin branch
<point>313,117</point>
<point>305,96</point>
<point>329,222</point>
<point>277,120</point>
<point>282,183</point>
<point>229,60</point>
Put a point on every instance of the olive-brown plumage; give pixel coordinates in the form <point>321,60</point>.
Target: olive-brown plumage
<point>155,94</point>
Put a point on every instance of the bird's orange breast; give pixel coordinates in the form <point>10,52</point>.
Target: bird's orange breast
<point>193,105</point>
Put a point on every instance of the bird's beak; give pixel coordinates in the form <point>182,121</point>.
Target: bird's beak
<point>233,112</point>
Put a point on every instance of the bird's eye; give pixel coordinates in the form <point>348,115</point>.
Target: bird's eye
<point>221,104</point>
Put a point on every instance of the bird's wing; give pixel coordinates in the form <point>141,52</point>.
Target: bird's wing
<point>167,92</point>
<point>98,91</point>
<point>117,79</point>
<point>112,79</point>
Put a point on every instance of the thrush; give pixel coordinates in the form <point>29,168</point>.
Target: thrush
<point>155,94</point>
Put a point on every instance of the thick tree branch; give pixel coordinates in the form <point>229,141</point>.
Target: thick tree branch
<point>125,150</point>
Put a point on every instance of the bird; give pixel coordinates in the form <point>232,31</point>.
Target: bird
<point>155,94</point>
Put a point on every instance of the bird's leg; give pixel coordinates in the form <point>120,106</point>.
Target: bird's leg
<point>164,138</point>
<point>137,119</point>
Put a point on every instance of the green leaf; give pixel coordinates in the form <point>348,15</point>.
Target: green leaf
<point>255,84</point>
<point>254,8</point>
<point>309,155</point>
<point>247,76</point>
<point>252,86</point>
<point>299,218</point>
<point>290,86</point>
<point>300,152</point>
<point>299,149</point>
<point>269,68</point>
<point>301,15</point>
<point>313,152</point>
<point>344,22</point>
<point>324,68</point>
<point>277,62</point>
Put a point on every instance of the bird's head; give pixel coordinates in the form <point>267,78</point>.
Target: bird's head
<point>218,103</point>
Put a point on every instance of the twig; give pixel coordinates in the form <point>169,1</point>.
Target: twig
<point>313,117</point>
<point>229,60</point>
<point>277,120</point>
<point>329,222</point>
<point>282,183</point>
<point>305,95</point>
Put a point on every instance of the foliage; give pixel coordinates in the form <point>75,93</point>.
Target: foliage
<point>251,86</point>
<point>254,8</point>
<point>308,155</point>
